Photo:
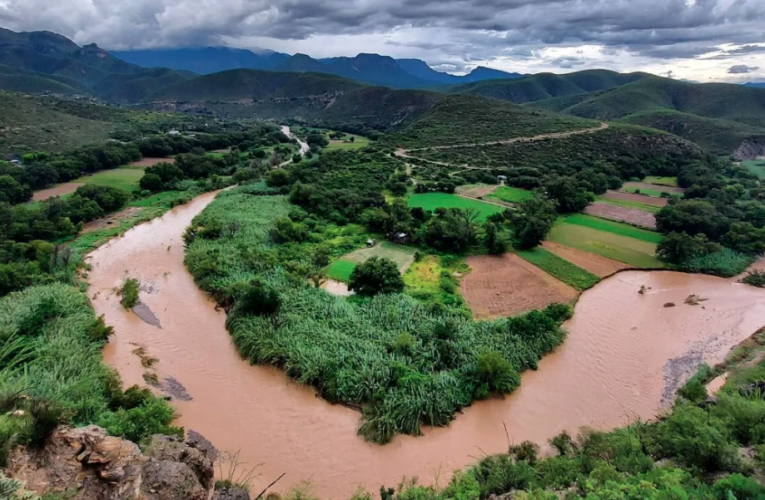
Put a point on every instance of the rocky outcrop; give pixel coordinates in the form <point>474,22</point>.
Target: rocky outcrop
<point>101,467</point>
<point>750,149</point>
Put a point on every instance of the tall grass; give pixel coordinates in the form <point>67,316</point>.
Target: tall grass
<point>406,364</point>
<point>725,263</point>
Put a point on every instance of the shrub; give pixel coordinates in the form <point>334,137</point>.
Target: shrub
<point>755,278</point>
<point>495,374</point>
<point>376,275</point>
<point>258,298</point>
<point>129,292</point>
<point>139,423</point>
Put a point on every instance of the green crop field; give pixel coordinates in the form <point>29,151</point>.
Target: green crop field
<point>511,194</point>
<point>124,178</point>
<point>629,204</point>
<point>432,201</point>
<point>341,270</point>
<point>645,191</point>
<point>560,268</point>
<point>613,227</point>
<point>757,167</point>
<point>624,249</point>
<point>358,143</point>
<point>662,181</point>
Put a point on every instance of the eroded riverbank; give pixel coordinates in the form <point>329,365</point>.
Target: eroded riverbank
<point>624,352</point>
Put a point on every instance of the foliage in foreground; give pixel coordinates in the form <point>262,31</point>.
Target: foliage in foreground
<point>405,364</point>
<point>51,370</point>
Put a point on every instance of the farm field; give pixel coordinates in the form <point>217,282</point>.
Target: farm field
<point>507,285</point>
<point>645,200</point>
<point>432,201</point>
<point>628,204</point>
<point>646,187</point>
<point>622,213</point>
<point>476,190</point>
<point>596,264</point>
<point>757,167</point>
<point>642,191</point>
<point>341,269</point>
<point>432,280</point>
<point>124,178</point>
<point>624,249</point>
<point>613,227</point>
<point>560,268</point>
<point>661,181</point>
<point>511,194</point>
<point>359,142</point>
<point>150,162</point>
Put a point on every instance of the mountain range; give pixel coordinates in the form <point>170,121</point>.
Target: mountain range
<point>373,69</point>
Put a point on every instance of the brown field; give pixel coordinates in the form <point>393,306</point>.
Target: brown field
<point>657,187</point>
<point>508,285</point>
<point>111,220</point>
<point>624,214</point>
<point>150,162</point>
<point>640,198</point>
<point>598,265</point>
<point>478,191</point>
<point>60,190</point>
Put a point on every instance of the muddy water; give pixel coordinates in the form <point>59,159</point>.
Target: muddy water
<point>304,147</point>
<point>58,190</point>
<point>623,353</point>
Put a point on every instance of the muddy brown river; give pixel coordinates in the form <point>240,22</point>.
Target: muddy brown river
<point>623,358</point>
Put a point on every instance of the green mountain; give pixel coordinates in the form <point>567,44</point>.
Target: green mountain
<point>547,85</point>
<point>39,62</point>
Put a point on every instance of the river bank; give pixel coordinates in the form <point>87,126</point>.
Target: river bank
<point>625,353</point>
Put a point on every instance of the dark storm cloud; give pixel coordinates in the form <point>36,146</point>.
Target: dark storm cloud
<point>568,62</point>
<point>740,69</point>
<point>666,29</point>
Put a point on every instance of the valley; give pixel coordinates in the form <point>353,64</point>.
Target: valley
<point>326,278</point>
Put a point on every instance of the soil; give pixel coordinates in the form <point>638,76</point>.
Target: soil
<point>596,264</point>
<point>60,190</point>
<point>508,285</point>
<point>337,288</point>
<point>112,220</point>
<point>658,187</point>
<point>639,198</point>
<point>624,214</point>
<point>478,191</point>
<point>150,162</point>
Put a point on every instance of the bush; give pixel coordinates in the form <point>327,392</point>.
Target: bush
<point>755,278</point>
<point>376,275</point>
<point>129,292</point>
<point>137,424</point>
<point>278,178</point>
<point>258,298</point>
<point>494,374</point>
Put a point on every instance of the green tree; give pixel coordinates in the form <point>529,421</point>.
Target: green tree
<point>12,192</point>
<point>568,195</point>
<point>495,243</point>
<point>677,248</point>
<point>532,221</point>
<point>376,275</point>
<point>278,178</point>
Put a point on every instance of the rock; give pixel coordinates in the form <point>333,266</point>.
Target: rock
<point>198,441</point>
<point>97,467</point>
<point>669,304</point>
<point>694,300</point>
<point>231,494</point>
<point>171,448</point>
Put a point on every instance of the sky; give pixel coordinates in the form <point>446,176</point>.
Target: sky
<point>698,40</point>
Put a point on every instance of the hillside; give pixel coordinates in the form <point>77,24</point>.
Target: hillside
<point>548,85</point>
<point>201,60</point>
<point>252,85</point>
<point>40,62</point>
<point>460,119</point>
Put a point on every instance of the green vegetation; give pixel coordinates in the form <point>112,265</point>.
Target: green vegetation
<point>433,201</point>
<point>432,280</point>
<point>613,227</point>
<point>560,268</point>
<point>129,293</point>
<point>389,370</point>
<point>755,278</point>
<point>50,347</point>
<point>126,179</point>
<point>629,204</point>
<point>375,276</point>
<point>756,167</point>
<point>644,191</point>
<point>511,194</point>
<point>341,270</point>
<point>624,249</point>
<point>661,181</point>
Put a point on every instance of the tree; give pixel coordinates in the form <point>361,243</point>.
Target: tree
<point>494,241</point>
<point>692,217</point>
<point>533,221</point>
<point>677,248</point>
<point>152,182</point>
<point>258,298</point>
<point>376,275</point>
<point>451,229</point>
<point>12,192</point>
<point>297,158</point>
<point>278,178</point>
<point>568,195</point>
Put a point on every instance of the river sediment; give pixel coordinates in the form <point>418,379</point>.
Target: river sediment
<point>624,349</point>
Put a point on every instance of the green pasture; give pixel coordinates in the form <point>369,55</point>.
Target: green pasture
<point>617,228</point>
<point>560,268</point>
<point>632,251</point>
<point>511,194</point>
<point>432,201</point>
<point>124,178</point>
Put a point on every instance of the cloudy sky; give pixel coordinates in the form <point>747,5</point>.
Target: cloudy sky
<point>702,40</point>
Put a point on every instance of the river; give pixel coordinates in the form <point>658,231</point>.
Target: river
<point>624,355</point>
<point>304,147</point>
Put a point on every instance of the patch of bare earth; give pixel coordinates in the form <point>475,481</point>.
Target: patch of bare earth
<point>150,162</point>
<point>624,214</point>
<point>60,190</point>
<point>596,264</point>
<point>639,198</point>
<point>507,285</point>
<point>112,220</point>
<point>478,191</point>
<point>659,187</point>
